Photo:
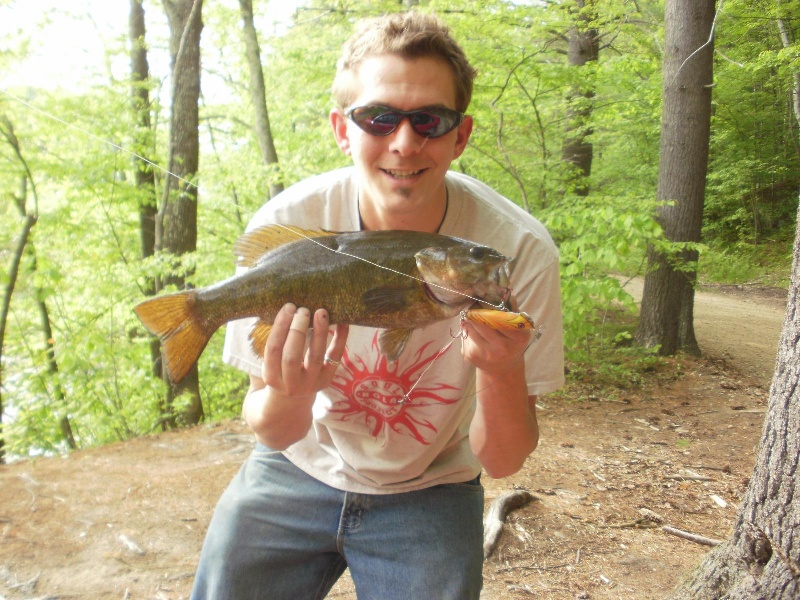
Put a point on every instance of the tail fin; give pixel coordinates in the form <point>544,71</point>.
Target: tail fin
<point>183,337</point>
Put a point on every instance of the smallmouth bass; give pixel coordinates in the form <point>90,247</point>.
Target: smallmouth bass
<point>397,281</point>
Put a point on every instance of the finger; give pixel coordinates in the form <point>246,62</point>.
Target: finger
<point>335,352</point>
<point>319,338</point>
<point>295,347</point>
<point>273,352</point>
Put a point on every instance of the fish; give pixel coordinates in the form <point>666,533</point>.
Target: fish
<point>392,280</point>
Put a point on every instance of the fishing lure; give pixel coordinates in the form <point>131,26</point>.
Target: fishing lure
<point>502,319</point>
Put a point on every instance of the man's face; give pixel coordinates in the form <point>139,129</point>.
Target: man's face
<point>401,175</point>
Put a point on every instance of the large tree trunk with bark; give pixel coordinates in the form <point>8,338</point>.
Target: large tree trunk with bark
<point>667,313</point>
<point>176,225</point>
<point>258,96</point>
<point>583,49</point>
<point>761,559</point>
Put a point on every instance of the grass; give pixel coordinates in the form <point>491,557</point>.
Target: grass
<point>768,263</point>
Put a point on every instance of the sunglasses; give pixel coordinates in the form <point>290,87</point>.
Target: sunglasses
<point>427,122</point>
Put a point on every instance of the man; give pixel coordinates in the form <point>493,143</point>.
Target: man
<point>367,463</point>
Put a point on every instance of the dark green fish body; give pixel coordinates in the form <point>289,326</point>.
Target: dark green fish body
<point>392,280</point>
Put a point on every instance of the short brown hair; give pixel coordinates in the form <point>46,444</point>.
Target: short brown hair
<point>408,35</point>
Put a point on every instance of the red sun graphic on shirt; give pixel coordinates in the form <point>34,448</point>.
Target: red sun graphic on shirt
<point>385,396</point>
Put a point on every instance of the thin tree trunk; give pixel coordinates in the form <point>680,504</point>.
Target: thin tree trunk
<point>176,225</point>
<point>52,365</point>
<point>666,317</point>
<point>576,150</point>
<point>46,327</point>
<point>258,95</point>
<point>13,274</point>
<point>144,176</point>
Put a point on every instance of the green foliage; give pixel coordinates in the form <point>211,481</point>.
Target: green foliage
<point>767,264</point>
<point>609,359</point>
<point>597,237</point>
<point>88,269</point>
<point>754,171</point>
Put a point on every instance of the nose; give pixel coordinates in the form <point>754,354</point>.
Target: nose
<point>405,141</point>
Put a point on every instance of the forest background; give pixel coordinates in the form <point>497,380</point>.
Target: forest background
<point>76,364</point>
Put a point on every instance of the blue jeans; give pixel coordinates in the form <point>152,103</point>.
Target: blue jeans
<point>279,534</point>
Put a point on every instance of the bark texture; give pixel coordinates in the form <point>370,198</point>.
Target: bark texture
<point>583,48</point>
<point>144,176</point>
<point>258,96</point>
<point>176,227</point>
<point>668,297</point>
<point>761,559</point>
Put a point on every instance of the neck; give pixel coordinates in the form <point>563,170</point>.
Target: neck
<point>429,220</point>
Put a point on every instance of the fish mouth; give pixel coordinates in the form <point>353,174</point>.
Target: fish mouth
<point>401,174</point>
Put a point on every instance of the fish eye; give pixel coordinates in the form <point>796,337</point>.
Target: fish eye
<point>477,252</point>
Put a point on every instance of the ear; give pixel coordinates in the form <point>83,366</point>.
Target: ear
<point>339,125</point>
<point>462,135</point>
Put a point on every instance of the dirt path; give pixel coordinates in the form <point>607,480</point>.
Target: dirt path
<point>738,324</point>
<point>126,521</point>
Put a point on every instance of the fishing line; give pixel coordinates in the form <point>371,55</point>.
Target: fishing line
<point>405,398</point>
<point>288,228</point>
<point>95,137</point>
<point>500,306</point>
<point>710,39</point>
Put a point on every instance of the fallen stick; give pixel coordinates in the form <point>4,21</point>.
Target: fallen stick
<point>496,516</point>
<point>693,477</point>
<point>692,537</point>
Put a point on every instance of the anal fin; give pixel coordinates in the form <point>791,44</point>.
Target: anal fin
<point>258,337</point>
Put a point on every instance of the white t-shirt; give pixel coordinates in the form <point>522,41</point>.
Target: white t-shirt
<point>384,427</point>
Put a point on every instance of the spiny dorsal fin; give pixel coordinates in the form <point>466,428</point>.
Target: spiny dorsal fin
<point>254,244</point>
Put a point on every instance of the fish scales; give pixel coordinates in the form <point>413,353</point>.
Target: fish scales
<point>315,275</point>
<point>392,280</point>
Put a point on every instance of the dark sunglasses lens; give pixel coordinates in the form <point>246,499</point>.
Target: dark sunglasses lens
<point>428,124</point>
<point>377,120</point>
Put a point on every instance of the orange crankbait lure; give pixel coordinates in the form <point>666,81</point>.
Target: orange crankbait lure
<point>502,319</point>
<point>499,319</point>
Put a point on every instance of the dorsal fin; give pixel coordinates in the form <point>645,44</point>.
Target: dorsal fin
<point>254,244</point>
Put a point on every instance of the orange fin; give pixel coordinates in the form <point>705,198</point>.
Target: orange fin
<point>254,244</point>
<point>500,319</point>
<point>392,342</point>
<point>258,337</point>
<point>183,338</point>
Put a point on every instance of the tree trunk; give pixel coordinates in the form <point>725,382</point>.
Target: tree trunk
<point>26,246</point>
<point>258,95</point>
<point>666,318</point>
<point>761,559</point>
<point>176,225</point>
<point>144,176</point>
<point>13,273</point>
<point>576,151</point>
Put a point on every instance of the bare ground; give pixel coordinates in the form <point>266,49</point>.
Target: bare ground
<point>127,520</point>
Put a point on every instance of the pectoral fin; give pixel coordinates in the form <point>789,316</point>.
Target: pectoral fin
<point>392,342</point>
<point>386,299</point>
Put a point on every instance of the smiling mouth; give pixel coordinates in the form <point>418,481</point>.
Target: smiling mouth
<point>402,174</point>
